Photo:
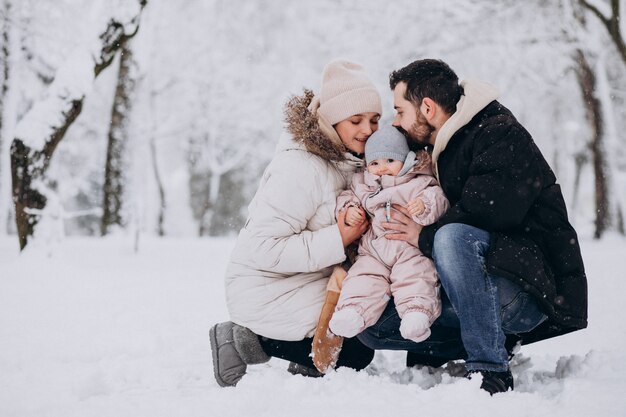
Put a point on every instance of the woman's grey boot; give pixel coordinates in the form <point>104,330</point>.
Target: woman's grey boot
<point>234,348</point>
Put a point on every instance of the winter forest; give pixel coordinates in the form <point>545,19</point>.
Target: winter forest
<point>157,117</point>
<point>133,134</point>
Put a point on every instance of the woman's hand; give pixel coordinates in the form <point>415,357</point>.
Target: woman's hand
<point>405,228</point>
<point>350,233</point>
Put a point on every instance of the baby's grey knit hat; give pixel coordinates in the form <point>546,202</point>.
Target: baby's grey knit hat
<point>386,143</point>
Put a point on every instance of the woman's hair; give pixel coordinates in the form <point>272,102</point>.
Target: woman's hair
<point>430,78</point>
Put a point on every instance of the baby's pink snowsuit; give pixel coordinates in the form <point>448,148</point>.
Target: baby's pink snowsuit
<point>386,267</point>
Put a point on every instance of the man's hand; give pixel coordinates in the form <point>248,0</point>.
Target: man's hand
<point>350,233</point>
<point>355,216</point>
<point>404,227</point>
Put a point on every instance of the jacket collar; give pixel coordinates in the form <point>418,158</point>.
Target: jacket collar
<point>476,96</point>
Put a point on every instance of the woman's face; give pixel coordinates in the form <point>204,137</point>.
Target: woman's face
<point>355,130</point>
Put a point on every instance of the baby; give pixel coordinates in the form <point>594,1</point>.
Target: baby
<point>390,268</point>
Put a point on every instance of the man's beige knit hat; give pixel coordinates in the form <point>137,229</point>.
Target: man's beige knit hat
<point>346,91</point>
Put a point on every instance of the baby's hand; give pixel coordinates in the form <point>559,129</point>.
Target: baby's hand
<point>355,216</point>
<point>416,207</point>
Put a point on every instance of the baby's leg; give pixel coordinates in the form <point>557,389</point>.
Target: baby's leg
<point>364,295</point>
<point>415,326</point>
<point>415,290</point>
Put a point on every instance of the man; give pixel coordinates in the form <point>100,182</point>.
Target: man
<point>507,257</point>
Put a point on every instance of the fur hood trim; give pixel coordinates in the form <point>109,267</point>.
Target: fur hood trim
<point>418,163</point>
<point>308,128</point>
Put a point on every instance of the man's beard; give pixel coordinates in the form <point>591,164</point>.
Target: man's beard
<point>420,131</point>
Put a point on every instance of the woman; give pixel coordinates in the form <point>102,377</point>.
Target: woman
<point>277,276</point>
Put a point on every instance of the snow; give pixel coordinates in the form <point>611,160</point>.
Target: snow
<point>89,327</point>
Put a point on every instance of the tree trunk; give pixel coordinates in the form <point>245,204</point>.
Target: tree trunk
<point>30,158</point>
<point>118,137</point>
<point>5,24</point>
<point>159,182</point>
<point>580,160</point>
<point>4,67</point>
<point>29,166</point>
<point>587,81</point>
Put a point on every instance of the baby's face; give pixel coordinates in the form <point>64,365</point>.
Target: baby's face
<point>384,167</point>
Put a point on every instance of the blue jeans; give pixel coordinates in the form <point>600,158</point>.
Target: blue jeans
<point>478,309</point>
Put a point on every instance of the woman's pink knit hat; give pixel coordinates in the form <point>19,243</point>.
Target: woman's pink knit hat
<point>346,91</point>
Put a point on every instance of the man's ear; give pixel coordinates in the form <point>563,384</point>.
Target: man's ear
<point>429,108</point>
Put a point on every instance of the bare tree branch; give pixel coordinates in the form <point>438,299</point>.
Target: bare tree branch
<point>592,8</point>
<point>611,23</point>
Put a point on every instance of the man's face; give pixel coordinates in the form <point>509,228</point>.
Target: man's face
<point>410,119</point>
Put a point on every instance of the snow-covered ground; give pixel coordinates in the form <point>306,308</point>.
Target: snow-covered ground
<point>89,327</point>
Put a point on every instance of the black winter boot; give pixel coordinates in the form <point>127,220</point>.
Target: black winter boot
<point>494,382</point>
<point>416,359</point>
<point>297,369</point>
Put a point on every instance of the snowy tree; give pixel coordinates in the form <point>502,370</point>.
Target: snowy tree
<point>214,162</point>
<point>154,84</point>
<point>5,25</point>
<point>221,140</point>
<point>45,125</point>
<point>25,74</point>
<point>610,201</point>
<point>114,177</point>
<point>592,63</point>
